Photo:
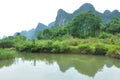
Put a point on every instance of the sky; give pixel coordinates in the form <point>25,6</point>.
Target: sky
<point>18,15</point>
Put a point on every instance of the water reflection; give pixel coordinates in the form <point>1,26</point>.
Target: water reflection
<point>88,65</point>
<point>63,67</point>
<point>6,63</point>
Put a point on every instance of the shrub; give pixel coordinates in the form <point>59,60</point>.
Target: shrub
<point>100,50</point>
<point>114,51</point>
<point>74,42</point>
<point>59,47</point>
<point>7,54</point>
<point>116,54</point>
<point>6,44</point>
<point>25,47</point>
<point>104,35</point>
<point>85,49</point>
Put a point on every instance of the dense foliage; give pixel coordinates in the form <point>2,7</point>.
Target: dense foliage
<point>85,34</point>
<point>7,54</point>
<point>7,42</point>
<point>113,26</point>
<point>84,25</point>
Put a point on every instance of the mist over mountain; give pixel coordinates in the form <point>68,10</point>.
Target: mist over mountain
<point>63,18</point>
<point>31,34</point>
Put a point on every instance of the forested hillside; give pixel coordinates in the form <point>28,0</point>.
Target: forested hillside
<point>84,25</point>
<point>64,17</point>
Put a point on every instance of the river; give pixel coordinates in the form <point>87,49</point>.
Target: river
<point>60,67</point>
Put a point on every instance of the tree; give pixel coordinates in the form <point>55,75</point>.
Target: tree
<point>84,25</point>
<point>51,33</point>
<point>7,42</point>
<point>20,38</point>
<point>44,34</point>
<point>113,26</point>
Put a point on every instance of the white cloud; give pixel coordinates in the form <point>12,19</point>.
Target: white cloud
<point>17,15</point>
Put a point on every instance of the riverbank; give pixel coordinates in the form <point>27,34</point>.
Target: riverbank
<point>90,46</point>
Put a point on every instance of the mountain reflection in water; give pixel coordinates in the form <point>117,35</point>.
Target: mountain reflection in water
<point>62,66</point>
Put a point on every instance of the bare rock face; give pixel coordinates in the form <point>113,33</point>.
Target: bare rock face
<point>62,18</point>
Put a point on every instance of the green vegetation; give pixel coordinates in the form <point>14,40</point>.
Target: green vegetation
<point>85,25</point>
<point>85,34</point>
<point>7,42</point>
<point>80,46</point>
<point>7,54</point>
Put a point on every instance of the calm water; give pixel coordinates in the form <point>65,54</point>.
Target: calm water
<point>60,67</point>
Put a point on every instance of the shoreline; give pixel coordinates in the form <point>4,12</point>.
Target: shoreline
<point>13,53</point>
<point>75,46</point>
<point>89,46</point>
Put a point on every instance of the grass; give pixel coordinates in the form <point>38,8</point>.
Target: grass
<point>92,46</point>
<point>7,54</point>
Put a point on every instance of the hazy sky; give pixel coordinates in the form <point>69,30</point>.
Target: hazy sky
<point>18,15</point>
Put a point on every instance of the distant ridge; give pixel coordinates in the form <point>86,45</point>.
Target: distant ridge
<point>31,34</point>
<point>63,18</point>
<point>106,16</point>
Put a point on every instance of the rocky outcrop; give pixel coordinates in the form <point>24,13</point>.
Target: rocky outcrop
<point>62,18</point>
